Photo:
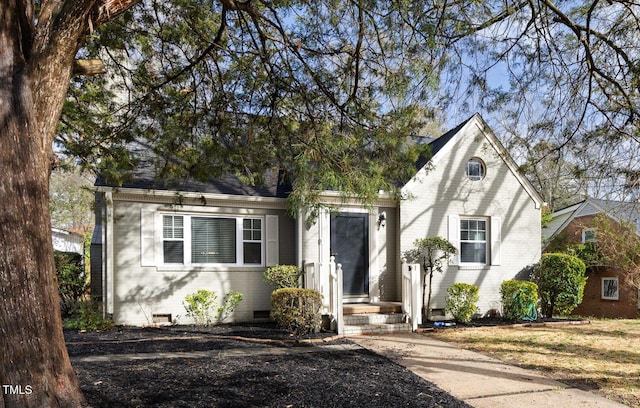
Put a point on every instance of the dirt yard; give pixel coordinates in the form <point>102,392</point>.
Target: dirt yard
<point>239,366</point>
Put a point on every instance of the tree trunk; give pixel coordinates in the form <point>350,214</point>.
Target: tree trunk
<point>35,67</point>
<point>34,364</point>
<point>427,308</point>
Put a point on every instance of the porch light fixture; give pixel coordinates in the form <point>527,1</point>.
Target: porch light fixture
<point>382,219</point>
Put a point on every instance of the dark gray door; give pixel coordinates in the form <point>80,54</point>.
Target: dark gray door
<point>350,245</point>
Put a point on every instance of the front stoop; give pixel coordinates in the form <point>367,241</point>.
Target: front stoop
<point>374,323</point>
<point>376,329</point>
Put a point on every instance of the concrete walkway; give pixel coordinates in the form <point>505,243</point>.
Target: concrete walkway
<point>478,380</point>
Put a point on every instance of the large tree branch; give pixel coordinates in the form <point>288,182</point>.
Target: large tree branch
<point>473,29</point>
<point>356,54</point>
<point>583,34</point>
<point>110,9</point>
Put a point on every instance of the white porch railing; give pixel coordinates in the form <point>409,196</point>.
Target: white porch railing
<point>327,279</point>
<point>412,294</point>
<point>312,276</point>
<point>335,296</point>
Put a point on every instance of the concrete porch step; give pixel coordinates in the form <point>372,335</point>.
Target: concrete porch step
<point>373,318</point>
<point>363,329</point>
<point>377,307</point>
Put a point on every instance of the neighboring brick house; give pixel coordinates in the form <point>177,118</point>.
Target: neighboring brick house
<point>606,293</point>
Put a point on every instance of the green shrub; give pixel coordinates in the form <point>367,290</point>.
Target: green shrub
<point>201,306</point>
<point>519,300</point>
<point>561,281</point>
<point>461,301</point>
<point>229,304</point>
<point>72,280</point>
<point>87,315</point>
<point>283,276</point>
<point>297,310</point>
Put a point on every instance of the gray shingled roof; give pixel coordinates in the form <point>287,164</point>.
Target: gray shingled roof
<point>227,184</point>
<point>144,176</point>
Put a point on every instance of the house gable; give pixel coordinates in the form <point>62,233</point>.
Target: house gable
<point>617,210</point>
<point>471,193</point>
<point>443,147</point>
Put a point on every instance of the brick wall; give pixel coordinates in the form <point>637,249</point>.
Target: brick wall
<point>592,304</point>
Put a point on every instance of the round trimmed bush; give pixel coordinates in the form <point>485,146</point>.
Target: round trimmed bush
<point>561,281</point>
<point>297,310</point>
<point>283,276</point>
<point>461,301</point>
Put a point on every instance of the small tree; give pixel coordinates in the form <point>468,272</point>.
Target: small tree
<point>560,279</point>
<point>617,246</point>
<point>431,253</point>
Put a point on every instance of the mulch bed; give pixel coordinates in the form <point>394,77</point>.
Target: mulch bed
<point>336,377</point>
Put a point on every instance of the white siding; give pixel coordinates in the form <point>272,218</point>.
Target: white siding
<point>385,278</point>
<point>140,291</point>
<point>440,197</point>
<point>66,241</point>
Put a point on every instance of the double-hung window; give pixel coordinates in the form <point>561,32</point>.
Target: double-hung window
<point>197,240</point>
<point>473,241</point>
<point>173,239</point>
<point>252,240</point>
<point>589,235</point>
<point>610,289</point>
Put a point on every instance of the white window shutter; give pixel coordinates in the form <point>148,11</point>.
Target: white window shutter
<point>273,242</point>
<point>454,237</point>
<point>147,238</point>
<point>496,237</point>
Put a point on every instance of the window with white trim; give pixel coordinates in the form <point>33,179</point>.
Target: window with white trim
<point>195,239</point>
<point>213,240</point>
<point>610,290</point>
<point>173,239</point>
<point>473,240</point>
<point>588,235</point>
<point>252,240</point>
<point>475,169</point>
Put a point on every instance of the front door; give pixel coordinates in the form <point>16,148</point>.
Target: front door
<point>350,246</point>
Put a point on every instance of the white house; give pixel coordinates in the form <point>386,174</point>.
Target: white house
<point>158,245</point>
<point>67,241</point>
<point>471,193</point>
